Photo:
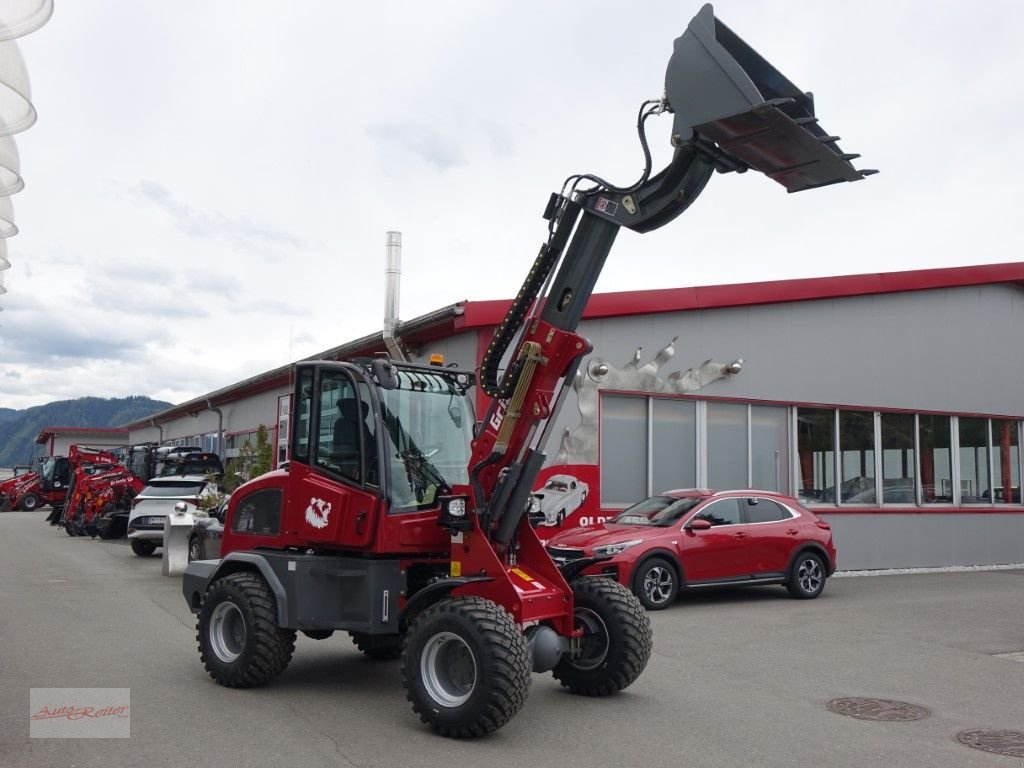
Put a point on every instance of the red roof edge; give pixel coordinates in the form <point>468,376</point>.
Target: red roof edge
<point>483,313</point>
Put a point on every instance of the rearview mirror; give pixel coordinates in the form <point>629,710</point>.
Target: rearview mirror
<point>700,524</point>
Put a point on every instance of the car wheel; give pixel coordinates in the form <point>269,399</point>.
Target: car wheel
<point>195,549</point>
<point>560,517</point>
<point>655,583</point>
<point>143,548</point>
<point>806,576</point>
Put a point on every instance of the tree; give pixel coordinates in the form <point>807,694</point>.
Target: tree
<point>253,460</point>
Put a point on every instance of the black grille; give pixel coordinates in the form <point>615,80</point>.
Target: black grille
<point>563,555</point>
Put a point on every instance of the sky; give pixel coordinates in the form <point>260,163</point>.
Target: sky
<point>209,182</point>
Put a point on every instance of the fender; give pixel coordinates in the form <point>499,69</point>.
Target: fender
<point>201,573</point>
<point>429,595</point>
<point>816,549</point>
<point>665,554</point>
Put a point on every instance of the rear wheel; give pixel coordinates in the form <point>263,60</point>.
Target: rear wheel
<point>806,576</point>
<point>465,667</point>
<point>655,583</point>
<point>378,647</point>
<point>195,549</point>
<point>240,644</point>
<point>30,502</point>
<point>616,642</point>
<point>142,548</point>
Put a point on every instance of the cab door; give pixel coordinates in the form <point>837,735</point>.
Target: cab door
<point>334,484</point>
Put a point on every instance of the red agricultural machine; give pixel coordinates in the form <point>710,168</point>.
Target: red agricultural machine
<point>101,492</point>
<point>401,521</point>
<point>50,482</point>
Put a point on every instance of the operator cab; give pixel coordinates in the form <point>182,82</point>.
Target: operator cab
<point>54,473</point>
<point>370,444</point>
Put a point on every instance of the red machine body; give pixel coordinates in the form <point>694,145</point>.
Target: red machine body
<point>400,522</point>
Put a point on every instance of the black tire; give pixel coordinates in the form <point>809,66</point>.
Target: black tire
<point>240,644</point>
<point>806,576</point>
<point>111,527</point>
<point>30,502</point>
<point>378,647</point>
<point>655,583</point>
<point>195,549</point>
<point>465,667</point>
<point>616,643</point>
<point>142,547</point>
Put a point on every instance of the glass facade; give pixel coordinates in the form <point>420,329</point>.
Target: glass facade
<point>827,457</point>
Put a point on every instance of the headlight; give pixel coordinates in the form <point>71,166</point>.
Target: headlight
<point>614,549</point>
<point>457,507</point>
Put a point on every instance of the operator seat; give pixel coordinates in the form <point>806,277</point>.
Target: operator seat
<point>352,437</point>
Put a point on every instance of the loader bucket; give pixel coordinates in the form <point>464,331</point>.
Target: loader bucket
<point>722,90</point>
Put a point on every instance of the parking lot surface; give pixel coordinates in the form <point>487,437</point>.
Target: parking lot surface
<point>737,678</point>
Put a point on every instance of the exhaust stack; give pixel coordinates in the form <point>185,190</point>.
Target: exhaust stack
<point>392,281</point>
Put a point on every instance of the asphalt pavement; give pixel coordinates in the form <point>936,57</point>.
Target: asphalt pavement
<point>737,678</point>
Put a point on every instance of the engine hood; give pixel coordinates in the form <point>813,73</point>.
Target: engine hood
<point>601,535</point>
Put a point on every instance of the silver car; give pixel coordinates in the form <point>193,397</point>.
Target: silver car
<point>156,501</point>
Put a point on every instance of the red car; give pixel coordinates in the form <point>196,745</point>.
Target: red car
<point>701,538</point>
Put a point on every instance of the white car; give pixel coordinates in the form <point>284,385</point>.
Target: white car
<point>156,501</point>
<point>560,497</point>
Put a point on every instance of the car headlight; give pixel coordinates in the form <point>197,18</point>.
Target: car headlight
<point>614,549</point>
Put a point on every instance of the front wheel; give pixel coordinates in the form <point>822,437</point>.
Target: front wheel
<point>240,644</point>
<point>465,667</point>
<point>195,549</point>
<point>806,576</point>
<point>616,641</point>
<point>30,502</point>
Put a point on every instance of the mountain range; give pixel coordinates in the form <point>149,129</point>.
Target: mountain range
<point>19,428</point>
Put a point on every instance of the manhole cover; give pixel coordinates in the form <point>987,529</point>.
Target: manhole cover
<point>878,709</point>
<point>1009,743</point>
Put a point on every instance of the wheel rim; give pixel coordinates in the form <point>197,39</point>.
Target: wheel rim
<point>194,552</point>
<point>227,632</point>
<point>29,503</point>
<point>594,643</point>
<point>448,669</point>
<point>809,575</point>
<point>658,584</point>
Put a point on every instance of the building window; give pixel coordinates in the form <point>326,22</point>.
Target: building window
<point>769,448</point>
<point>653,444</point>
<point>1006,461</point>
<point>974,461</point>
<point>673,444</point>
<point>936,459</point>
<point>623,450</point>
<point>898,458</point>
<point>727,445</point>
<point>857,457</point>
<point>816,454</point>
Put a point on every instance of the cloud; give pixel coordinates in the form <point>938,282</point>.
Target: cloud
<point>240,231</point>
<point>426,144</point>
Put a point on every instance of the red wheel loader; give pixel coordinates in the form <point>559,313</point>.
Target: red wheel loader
<point>401,522</point>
